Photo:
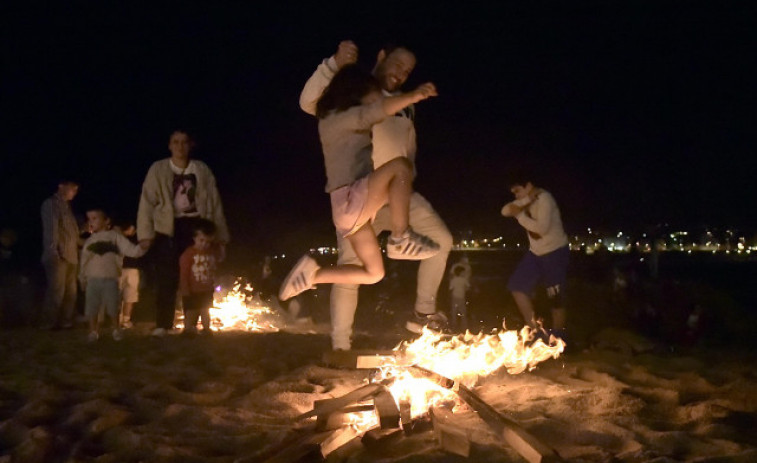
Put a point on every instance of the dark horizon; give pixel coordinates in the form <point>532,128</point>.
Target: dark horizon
<point>638,111</point>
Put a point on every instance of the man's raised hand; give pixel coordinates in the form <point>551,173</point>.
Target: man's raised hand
<point>424,91</point>
<point>345,54</point>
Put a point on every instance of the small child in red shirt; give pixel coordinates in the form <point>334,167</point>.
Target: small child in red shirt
<point>197,270</point>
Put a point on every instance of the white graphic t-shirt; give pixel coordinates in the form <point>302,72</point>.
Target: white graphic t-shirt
<point>184,190</point>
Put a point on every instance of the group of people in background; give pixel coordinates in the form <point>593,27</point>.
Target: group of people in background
<point>367,133</point>
<point>180,230</point>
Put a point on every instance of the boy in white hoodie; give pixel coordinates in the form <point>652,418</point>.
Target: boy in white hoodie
<point>100,270</point>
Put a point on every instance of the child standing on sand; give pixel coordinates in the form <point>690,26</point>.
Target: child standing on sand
<point>100,270</point>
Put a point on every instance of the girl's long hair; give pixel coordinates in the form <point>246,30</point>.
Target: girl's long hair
<point>346,89</point>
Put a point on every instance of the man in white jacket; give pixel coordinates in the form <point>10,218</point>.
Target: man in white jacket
<point>393,137</point>
<point>177,191</point>
<point>546,260</point>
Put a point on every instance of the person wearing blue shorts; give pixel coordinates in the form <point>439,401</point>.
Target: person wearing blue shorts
<point>546,261</point>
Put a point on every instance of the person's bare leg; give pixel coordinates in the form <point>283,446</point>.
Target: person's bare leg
<point>127,308</point>
<point>392,183</point>
<point>526,308</point>
<point>368,251</point>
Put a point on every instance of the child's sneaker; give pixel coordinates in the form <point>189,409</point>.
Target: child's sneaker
<point>411,246</point>
<point>435,322</point>
<point>118,335</point>
<point>300,278</point>
<point>93,336</point>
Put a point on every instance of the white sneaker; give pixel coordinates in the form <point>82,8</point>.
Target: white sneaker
<point>93,336</point>
<point>127,325</point>
<point>159,332</point>
<point>300,278</point>
<point>118,335</point>
<point>436,322</point>
<point>411,246</point>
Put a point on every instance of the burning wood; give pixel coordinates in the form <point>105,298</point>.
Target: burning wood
<point>376,437</point>
<point>386,410</point>
<point>528,446</point>
<point>329,406</point>
<point>450,437</point>
<point>339,418</point>
<point>410,385</point>
<point>359,359</point>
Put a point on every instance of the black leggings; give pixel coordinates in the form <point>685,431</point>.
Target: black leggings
<point>163,261</point>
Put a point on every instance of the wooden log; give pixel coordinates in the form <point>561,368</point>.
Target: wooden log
<point>357,395</point>
<point>420,372</point>
<point>358,359</point>
<point>337,438</point>
<point>386,409</point>
<point>450,437</point>
<point>377,438</point>
<point>334,420</point>
<point>528,446</point>
<point>405,415</point>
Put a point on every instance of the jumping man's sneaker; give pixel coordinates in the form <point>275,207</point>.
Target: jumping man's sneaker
<point>435,322</point>
<point>300,278</point>
<point>118,335</point>
<point>411,246</point>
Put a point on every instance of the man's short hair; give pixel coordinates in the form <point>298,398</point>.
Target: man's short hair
<point>99,209</point>
<point>389,47</point>
<point>520,175</point>
<point>67,181</point>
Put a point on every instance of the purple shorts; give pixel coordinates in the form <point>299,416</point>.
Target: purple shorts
<point>347,204</point>
<point>551,270</point>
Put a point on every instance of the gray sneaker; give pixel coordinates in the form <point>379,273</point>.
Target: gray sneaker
<point>411,246</point>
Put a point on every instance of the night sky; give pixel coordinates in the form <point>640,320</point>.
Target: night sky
<point>639,112</point>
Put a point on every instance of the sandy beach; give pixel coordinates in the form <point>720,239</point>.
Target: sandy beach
<point>619,396</point>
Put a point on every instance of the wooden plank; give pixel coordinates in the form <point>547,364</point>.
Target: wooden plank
<point>337,403</point>
<point>377,438</point>
<point>386,410</point>
<point>527,445</point>
<point>334,420</point>
<point>420,372</point>
<point>451,438</point>
<point>358,359</point>
<point>405,415</point>
<point>338,438</point>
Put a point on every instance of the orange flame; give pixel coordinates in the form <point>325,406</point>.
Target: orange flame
<point>241,309</point>
<point>463,358</point>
